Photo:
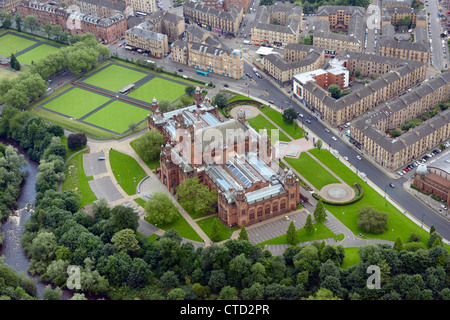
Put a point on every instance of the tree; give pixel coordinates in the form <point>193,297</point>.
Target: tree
<point>334,90</point>
<point>319,144</point>
<point>47,29</point>
<point>215,231</point>
<point>291,234</point>
<point>125,241</point>
<point>228,293</point>
<point>398,245</point>
<point>196,197</point>
<point>76,140</point>
<point>148,146</point>
<point>124,218</point>
<point>308,225</point>
<point>160,209</point>
<point>220,101</point>
<point>18,19</point>
<point>395,133</point>
<point>433,237</point>
<point>51,294</point>
<point>289,115</point>
<point>372,221</point>
<point>308,40</point>
<point>243,234</point>
<point>190,90</point>
<point>319,212</point>
<point>31,23</point>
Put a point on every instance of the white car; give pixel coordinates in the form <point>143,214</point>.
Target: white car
<point>400,173</point>
<point>358,157</point>
<point>346,158</point>
<point>334,138</point>
<point>326,129</point>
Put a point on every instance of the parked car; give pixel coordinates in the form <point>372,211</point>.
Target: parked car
<point>300,115</point>
<point>226,85</point>
<point>101,158</point>
<point>307,120</point>
<point>326,129</point>
<point>271,101</point>
<point>358,157</point>
<point>334,138</point>
<point>345,158</point>
<point>180,70</point>
<point>59,83</point>
<point>392,185</point>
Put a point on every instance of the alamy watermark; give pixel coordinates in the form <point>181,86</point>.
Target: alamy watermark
<point>74,20</point>
<point>374,20</point>
<point>74,279</point>
<point>374,281</point>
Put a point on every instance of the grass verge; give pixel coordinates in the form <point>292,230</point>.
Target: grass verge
<point>126,170</point>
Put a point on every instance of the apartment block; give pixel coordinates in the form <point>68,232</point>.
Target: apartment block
<point>9,6</point>
<point>146,6</point>
<point>143,37</point>
<point>101,8</point>
<point>106,30</point>
<point>225,4</point>
<point>212,19</point>
<point>278,25</point>
<point>339,16</point>
<point>167,23</point>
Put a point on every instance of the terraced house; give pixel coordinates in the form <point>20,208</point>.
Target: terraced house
<point>143,37</point>
<point>370,131</point>
<point>296,58</point>
<point>212,19</point>
<point>350,106</point>
<point>105,30</point>
<point>250,189</point>
<point>278,25</point>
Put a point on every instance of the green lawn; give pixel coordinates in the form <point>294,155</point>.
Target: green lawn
<point>322,233</point>
<point>76,102</point>
<point>12,44</point>
<point>125,169</point>
<point>76,180</point>
<point>259,122</point>
<point>312,171</point>
<point>114,77</point>
<point>180,224</point>
<point>7,74</point>
<point>117,116</point>
<point>402,225</point>
<point>36,54</point>
<point>206,224</point>
<point>277,117</point>
<point>158,88</point>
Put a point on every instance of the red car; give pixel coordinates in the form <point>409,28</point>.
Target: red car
<point>115,42</point>
<point>59,83</point>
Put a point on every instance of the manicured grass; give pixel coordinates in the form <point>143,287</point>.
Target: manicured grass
<point>114,77</point>
<point>312,171</point>
<point>402,225</point>
<point>277,117</point>
<point>76,102</point>
<point>36,54</point>
<point>322,233</point>
<point>125,169</point>
<point>117,116</point>
<point>351,257</point>
<point>206,224</point>
<point>12,44</point>
<point>259,122</point>
<point>76,180</point>
<point>150,164</point>
<point>73,125</point>
<point>180,224</point>
<point>158,88</point>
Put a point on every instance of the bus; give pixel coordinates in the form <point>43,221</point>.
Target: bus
<point>202,73</point>
<point>127,88</point>
<point>140,14</point>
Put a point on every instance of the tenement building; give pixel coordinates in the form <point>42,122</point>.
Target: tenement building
<point>434,178</point>
<point>167,23</point>
<point>143,37</point>
<point>225,4</point>
<point>251,188</point>
<point>371,131</point>
<point>212,19</point>
<point>215,58</point>
<point>339,17</point>
<point>392,16</point>
<point>101,8</point>
<point>145,6</point>
<point>349,38</point>
<point>359,101</point>
<point>401,4</point>
<point>105,30</point>
<point>297,58</point>
<point>278,25</point>
<point>9,6</point>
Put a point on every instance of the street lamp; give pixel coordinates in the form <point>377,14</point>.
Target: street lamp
<point>315,229</point>
<point>392,234</point>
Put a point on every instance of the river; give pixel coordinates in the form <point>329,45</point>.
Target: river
<point>14,227</point>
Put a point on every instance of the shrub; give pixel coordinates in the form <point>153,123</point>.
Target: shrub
<point>76,140</point>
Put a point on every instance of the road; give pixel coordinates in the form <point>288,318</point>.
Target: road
<point>435,23</point>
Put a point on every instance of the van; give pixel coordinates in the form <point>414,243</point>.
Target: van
<point>185,77</point>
